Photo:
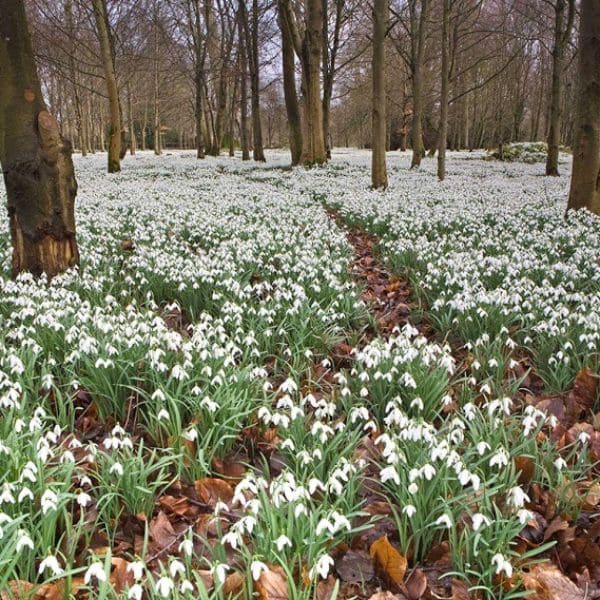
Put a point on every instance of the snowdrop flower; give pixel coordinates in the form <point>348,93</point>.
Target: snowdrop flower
<point>135,592</point>
<point>116,469</point>
<point>409,510</point>
<point>165,586</point>
<point>83,499</point>
<point>136,568</point>
<point>49,501</point>
<point>95,571</point>
<point>389,473</point>
<point>257,568</point>
<point>478,520</point>
<point>502,565</point>
<point>500,458</point>
<point>560,463</point>
<point>517,497</point>
<point>187,547</point>
<point>163,415</point>
<point>281,542</point>
<point>219,572</point>
<point>176,568</point>
<point>321,567</point>
<point>51,564</point>
<point>444,520</point>
<point>186,586</point>
<point>24,541</point>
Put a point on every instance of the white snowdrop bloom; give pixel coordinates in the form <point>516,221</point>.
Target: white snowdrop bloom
<point>49,501</point>
<point>413,488</point>
<point>281,542</point>
<point>187,547</point>
<point>299,510</point>
<point>219,572</point>
<point>444,520</point>
<point>94,571</point>
<point>478,520</point>
<point>191,435</point>
<point>502,564</point>
<point>517,497</point>
<point>25,494</point>
<point>23,541</point>
<point>186,586</point>
<point>482,447</point>
<point>322,567</point>
<point>50,563</point>
<point>499,459</point>
<point>257,568</point>
<point>136,568</point>
<point>116,469</point>
<point>409,510</point>
<point>83,499</point>
<point>135,592</point>
<point>176,568</point>
<point>560,463</point>
<point>164,586</point>
<point>428,471</point>
<point>232,538</point>
<point>584,437</point>
<point>389,473</point>
<point>163,415</point>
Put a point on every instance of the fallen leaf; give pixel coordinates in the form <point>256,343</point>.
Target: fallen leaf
<point>355,567</point>
<point>272,584</point>
<point>548,583</point>
<point>460,590</point>
<point>416,584</point>
<point>233,585</point>
<point>211,490</point>
<point>120,577</point>
<point>18,589</point>
<point>179,506</point>
<point>389,559</point>
<point>525,467</point>
<point>325,588</point>
<point>162,532</point>
<point>383,596</point>
<point>585,390</point>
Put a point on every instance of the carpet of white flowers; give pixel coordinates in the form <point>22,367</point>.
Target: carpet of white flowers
<point>172,415</point>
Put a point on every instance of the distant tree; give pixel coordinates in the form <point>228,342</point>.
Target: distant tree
<point>108,61</point>
<point>308,45</point>
<point>564,15</point>
<point>379,177</point>
<point>585,180</point>
<point>36,160</point>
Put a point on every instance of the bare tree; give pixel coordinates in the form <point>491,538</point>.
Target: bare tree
<point>585,180</point>
<point>36,160</point>
<point>378,146</point>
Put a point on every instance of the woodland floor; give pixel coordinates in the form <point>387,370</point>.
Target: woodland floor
<point>280,383</point>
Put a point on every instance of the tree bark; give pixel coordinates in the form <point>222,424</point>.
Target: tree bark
<point>585,180</point>
<point>251,35</point>
<point>157,139</point>
<point>562,33</point>
<point>378,143</point>
<point>243,66</point>
<point>443,128</point>
<point>104,35</point>
<point>418,26</point>
<point>132,140</point>
<point>292,106</point>
<point>36,160</point>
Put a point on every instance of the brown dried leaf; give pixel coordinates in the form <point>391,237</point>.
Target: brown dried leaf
<point>120,577</point>
<point>272,584</point>
<point>460,590</point>
<point>585,390</point>
<point>161,532</point>
<point>211,490</point>
<point>325,588</point>
<point>416,584</point>
<point>548,583</point>
<point>18,589</point>
<point>355,567</point>
<point>391,562</point>
<point>525,466</point>
<point>233,585</point>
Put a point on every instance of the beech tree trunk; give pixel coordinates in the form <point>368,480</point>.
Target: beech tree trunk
<point>292,106</point>
<point>132,140</point>
<point>104,35</point>
<point>561,37</point>
<point>443,128</point>
<point>585,180</point>
<point>243,66</point>
<point>36,160</point>
<point>418,24</point>
<point>378,144</point>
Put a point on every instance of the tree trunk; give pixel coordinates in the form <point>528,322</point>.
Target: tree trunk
<point>104,35</point>
<point>556,89</point>
<point>585,180</point>
<point>443,128</point>
<point>289,90</point>
<point>378,167</point>
<point>157,140</point>
<point>315,152</point>
<point>258,152</point>
<point>243,66</point>
<point>132,140</point>
<point>36,161</point>
<point>417,34</point>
